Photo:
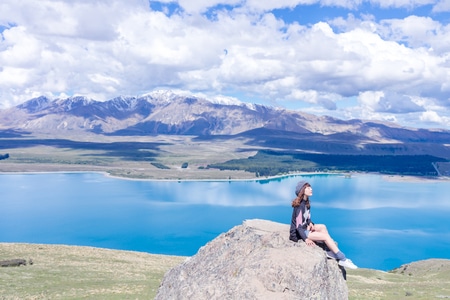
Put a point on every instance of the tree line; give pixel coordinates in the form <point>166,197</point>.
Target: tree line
<point>271,163</point>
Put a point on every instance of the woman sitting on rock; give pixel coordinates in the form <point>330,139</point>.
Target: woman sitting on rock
<point>303,228</point>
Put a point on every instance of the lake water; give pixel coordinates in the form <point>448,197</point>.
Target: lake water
<point>379,224</point>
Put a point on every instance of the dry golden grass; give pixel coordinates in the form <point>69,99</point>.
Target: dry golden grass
<point>428,279</point>
<point>73,272</point>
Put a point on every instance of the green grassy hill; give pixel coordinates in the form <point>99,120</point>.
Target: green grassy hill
<point>74,272</point>
<point>426,279</point>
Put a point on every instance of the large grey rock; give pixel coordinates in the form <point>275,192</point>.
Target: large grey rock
<point>255,260</point>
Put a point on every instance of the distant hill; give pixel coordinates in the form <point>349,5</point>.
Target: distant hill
<point>262,127</point>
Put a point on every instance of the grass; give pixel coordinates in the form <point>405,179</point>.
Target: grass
<point>74,272</point>
<point>428,279</point>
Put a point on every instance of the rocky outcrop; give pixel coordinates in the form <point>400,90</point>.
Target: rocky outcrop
<point>255,260</point>
<point>17,262</point>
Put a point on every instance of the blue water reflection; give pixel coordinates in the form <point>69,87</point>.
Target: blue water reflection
<point>379,224</point>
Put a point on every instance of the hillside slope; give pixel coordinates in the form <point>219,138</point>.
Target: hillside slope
<point>74,272</point>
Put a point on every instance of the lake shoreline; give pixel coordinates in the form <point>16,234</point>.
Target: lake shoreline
<point>394,178</point>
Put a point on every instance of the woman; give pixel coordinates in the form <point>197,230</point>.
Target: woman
<point>303,228</point>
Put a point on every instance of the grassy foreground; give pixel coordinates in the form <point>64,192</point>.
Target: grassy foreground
<point>74,272</point>
<point>426,279</point>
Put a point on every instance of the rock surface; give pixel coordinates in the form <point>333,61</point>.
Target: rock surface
<point>17,262</point>
<point>255,260</point>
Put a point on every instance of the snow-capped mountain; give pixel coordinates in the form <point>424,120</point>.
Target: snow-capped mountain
<point>166,112</point>
<point>155,113</point>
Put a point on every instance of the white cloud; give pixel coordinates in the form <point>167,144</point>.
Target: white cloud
<point>102,49</point>
<point>442,6</point>
<point>197,6</point>
<point>385,101</point>
<point>418,32</point>
<point>430,116</point>
<point>270,5</point>
<point>402,3</point>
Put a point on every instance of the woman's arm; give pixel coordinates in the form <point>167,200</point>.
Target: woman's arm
<point>302,223</point>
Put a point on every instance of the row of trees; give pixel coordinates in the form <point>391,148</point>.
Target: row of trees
<point>161,166</point>
<point>270,163</point>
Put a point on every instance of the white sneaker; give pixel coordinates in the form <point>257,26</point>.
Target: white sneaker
<point>347,263</point>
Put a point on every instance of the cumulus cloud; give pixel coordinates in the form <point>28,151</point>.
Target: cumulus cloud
<point>431,116</point>
<point>389,102</point>
<point>105,48</point>
<point>417,32</point>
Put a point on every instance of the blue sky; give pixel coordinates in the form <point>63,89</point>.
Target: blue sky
<point>385,60</point>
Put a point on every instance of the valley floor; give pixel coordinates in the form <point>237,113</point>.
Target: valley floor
<point>134,157</point>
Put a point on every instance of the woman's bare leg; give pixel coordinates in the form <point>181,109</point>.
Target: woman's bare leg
<point>324,236</point>
<point>320,228</point>
<point>320,233</point>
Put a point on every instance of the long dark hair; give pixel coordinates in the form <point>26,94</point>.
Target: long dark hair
<point>302,197</point>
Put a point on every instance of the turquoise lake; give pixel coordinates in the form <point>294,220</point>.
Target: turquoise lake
<point>379,224</point>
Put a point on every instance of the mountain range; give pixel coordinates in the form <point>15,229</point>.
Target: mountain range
<point>168,113</point>
<point>162,113</point>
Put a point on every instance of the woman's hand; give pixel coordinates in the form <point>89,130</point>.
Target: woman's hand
<point>309,242</point>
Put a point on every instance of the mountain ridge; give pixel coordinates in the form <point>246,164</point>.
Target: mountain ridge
<point>170,113</point>
<point>263,127</point>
